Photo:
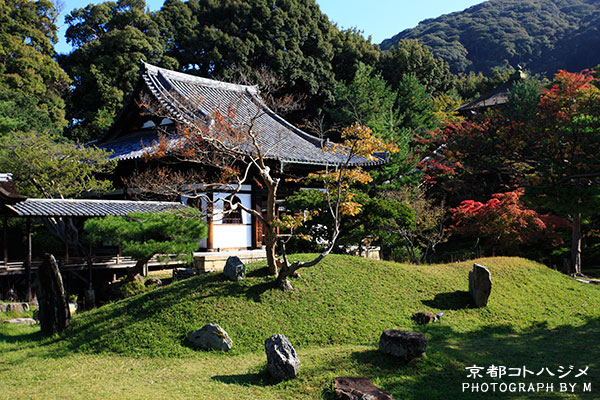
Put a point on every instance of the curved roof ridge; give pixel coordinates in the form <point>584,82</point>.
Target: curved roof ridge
<point>186,77</point>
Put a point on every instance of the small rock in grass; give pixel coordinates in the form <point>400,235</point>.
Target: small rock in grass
<point>182,273</point>
<point>358,389</point>
<point>211,337</point>
<point>153,281</point>
<point>423,317</point>
<point>234,269</point>
<point>282,359</point>
<point>404,345</point>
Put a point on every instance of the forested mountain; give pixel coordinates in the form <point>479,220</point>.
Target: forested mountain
<point>541,35</point>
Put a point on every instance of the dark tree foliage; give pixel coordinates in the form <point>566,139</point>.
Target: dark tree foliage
<point>31,83</point>
<point>542,35</point>
<point>229,40</point>
<point>409,57</point>
<point>109,39</point>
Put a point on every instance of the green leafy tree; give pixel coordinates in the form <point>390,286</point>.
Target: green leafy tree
<point>47,166</point>
<point>409,57</point>
<point>32,84</point>
<point>144,235</point>
<point>368,100</point>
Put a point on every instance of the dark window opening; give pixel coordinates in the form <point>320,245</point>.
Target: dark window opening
<point>232,216</point>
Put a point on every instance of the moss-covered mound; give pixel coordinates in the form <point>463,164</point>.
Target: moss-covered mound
<point>343,300</point>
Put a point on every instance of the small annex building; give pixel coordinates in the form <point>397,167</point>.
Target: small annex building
<point>289,151</point>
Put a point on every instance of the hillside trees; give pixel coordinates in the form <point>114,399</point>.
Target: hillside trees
<point>541,35</point>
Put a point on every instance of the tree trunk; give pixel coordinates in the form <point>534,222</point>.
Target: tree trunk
<point>138,268</point>
<point>576,245</point>
<point>271,230</point>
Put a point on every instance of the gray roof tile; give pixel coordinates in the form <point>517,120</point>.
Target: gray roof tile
<point>88,208</point>
<point>188,97</point>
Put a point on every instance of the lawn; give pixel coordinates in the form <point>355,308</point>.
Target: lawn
<point>136,348</point>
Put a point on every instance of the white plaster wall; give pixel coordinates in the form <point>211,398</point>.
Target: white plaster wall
<point>228,235</point>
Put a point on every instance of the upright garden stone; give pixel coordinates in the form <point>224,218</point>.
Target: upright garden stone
<point>480,285</point>
<point>234,269</point>
<point>358,389</point>
<point>54,311</point>
<point>282,360</point>
<point>404,345</point>
<point>211,337</point>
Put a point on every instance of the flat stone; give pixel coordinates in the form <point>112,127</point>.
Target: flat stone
<point>358,389</point>
<point>404,345</point>
<point>423,317</point>
<point>21,321</point>
<point>282,359</point>
<point>480,285</point>
<point>234,269</point>
<point>211,337</point>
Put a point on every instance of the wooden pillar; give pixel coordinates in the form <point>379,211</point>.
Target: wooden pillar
<point>29,259</point>
<point>253,219</point>
<point>209,218</point>
<point>5,238</point>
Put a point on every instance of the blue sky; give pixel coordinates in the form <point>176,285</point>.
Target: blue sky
<point>380,19</point>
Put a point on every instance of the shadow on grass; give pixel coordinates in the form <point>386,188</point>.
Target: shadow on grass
<point>441,373</point>
<point>457,300</point>
<point>25,338</point>
<point>250,379</point>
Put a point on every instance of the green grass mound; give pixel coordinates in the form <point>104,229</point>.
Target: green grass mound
<point>342,301</point>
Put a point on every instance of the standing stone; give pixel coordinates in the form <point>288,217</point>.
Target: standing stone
<point>234,269</point>
<point>402,344</point>
<point>282,360</point>
<point>480,285</point>
<point>54,311</point>
<point>358,389</point>
<point>211,337</point>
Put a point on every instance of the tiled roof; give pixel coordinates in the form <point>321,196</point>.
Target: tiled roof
<point>188,97</point>
<point>496,97</point>
<point>88,208</point>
